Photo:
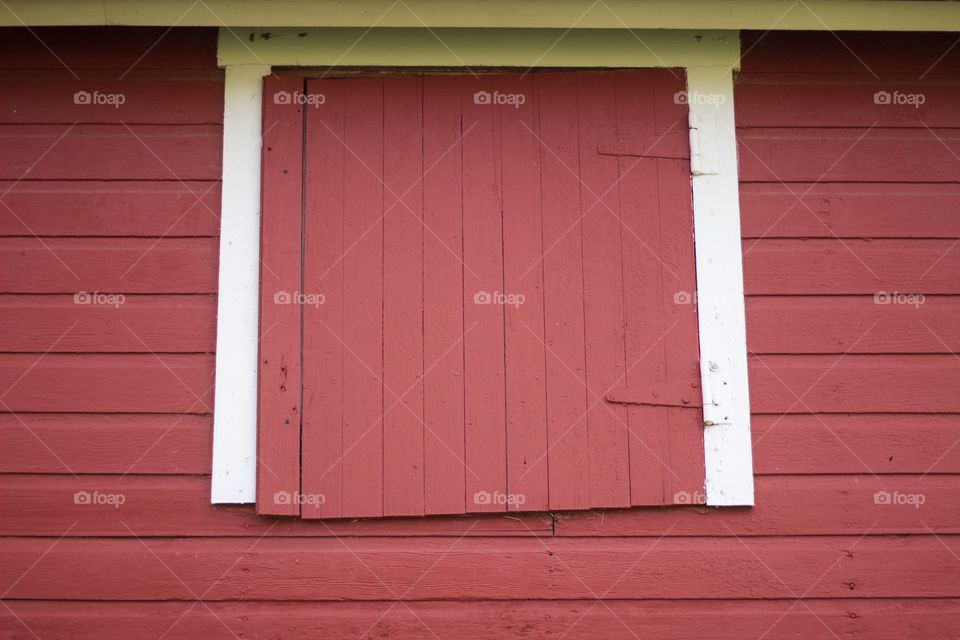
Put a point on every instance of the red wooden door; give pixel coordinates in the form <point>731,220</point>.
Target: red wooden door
<point>492,272</point>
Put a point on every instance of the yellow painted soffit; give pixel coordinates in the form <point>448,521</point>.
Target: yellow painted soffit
<point>837,15</point>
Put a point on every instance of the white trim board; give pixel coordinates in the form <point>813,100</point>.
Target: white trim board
<point>709,58</point>
<point>234,473</point>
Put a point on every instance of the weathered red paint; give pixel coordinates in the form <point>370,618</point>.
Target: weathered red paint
<point>365,438</point>
<point>818,469</point>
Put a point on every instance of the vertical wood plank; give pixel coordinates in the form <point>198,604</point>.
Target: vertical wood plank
<point>569,469</point>
<point>443,297</point>
<point>483,278</point>
<point>603,292</point>
<point>278,410</point>
<point>526,407</point>
<point>402,297</point>
<point>323,352</point>
<point>686,481</point>
<point>645,280</point>
<point>363,300</point>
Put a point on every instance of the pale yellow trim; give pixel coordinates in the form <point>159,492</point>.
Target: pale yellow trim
<point>817,15</point>
<point>522,48</point>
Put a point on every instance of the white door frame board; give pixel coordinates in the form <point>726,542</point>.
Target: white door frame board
<point>709,58</point>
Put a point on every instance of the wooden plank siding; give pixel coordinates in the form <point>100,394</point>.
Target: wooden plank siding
<point>110,407</point>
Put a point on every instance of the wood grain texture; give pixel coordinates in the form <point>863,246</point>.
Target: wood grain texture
<point>51,443</point>
<point>567,396</point>
<point>855,210</point>
<point>281,316</point>
<point>779,267</point>
<point>874,443</point>
<point>484,386</point>
<point>849,155</point>
<point>362,330</point>
<point>604,331</point>
<point>127,265</point>
<point>110,152</point>
<point>41,505</point>
<point>846,100</point>
<point>848,324</point>
<point>140,324</point>
<point>426,569</point>
<point>321,441</point>
<point>854,384</point>
<point>788,506</point>
<point>886,619</point>
<point>107,383</point>
<point>403,303</point>
<point>525,352</point>
<point>115,208</point>
<point>444,475</point>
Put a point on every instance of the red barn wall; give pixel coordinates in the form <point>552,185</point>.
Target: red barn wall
<point>850,398</point>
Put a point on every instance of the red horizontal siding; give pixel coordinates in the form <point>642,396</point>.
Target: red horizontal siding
<point>504,569</point>
<point>110,152</point>
<point>819,466</point>
<point>63,323</point>
<point>886,619</point>
<point>123,265</point>
<point>115,208</point>
<point>794,505</point>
